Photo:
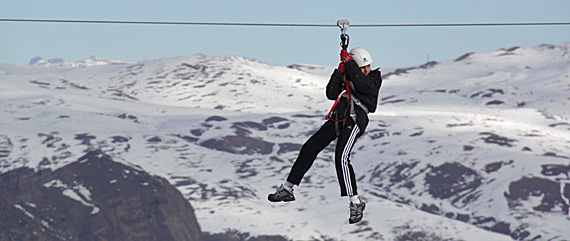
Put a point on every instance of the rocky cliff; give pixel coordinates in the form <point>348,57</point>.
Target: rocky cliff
<point>94,198</point>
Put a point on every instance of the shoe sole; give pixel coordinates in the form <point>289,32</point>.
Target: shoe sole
<point>276,201</point>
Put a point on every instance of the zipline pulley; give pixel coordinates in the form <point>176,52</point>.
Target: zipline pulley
<point>344,38</point>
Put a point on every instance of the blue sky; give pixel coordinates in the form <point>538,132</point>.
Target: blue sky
<point>390,47</point>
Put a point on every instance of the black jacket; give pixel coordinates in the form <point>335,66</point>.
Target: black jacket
<point>366,88</point>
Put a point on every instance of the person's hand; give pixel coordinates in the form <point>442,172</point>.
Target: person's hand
<point>341,68</point>
<point>345,56</point>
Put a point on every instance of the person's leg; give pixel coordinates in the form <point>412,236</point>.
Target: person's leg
<point>345,173</point>
<point>315,144</point>
<point>346,177</point>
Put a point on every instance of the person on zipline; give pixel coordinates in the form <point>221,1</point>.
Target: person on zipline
<point>346,122</point>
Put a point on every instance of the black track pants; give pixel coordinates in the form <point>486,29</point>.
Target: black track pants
<point>321,139</point>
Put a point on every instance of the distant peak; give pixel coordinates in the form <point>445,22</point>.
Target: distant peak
<point>58,62</point>
<point>40,61</point>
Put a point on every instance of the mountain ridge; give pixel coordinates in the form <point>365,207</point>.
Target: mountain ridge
<point>462,139</point>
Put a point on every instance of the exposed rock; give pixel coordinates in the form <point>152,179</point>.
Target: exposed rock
<point>493,167</point>
<point>495,102</point>
<point>216,118</point>
<point>234,235</point>
<point>250,125</point>
<point>555,170</point>
<point>496,139</point>
<point>239,145</point>
<point>402,71</point>
<point>272,120</point>
<point>452,180</point>
<point>5,147</point>
<point>94,198</point>
<point>549,192</point>
<point>465,56</point>
<point>288,147</point>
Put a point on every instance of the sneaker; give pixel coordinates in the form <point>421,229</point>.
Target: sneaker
<point>356,212</point>
<point>281,195</point>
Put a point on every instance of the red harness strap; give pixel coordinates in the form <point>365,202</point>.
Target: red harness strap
<point>345,40</point>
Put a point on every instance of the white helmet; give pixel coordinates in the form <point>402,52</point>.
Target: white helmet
<point>361,56</point>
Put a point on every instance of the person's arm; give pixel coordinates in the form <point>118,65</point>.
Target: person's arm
<point>334,87</point>
<point>364,85</point>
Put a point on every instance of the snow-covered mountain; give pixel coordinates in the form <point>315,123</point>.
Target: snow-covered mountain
<point>475,148</point>
<point>57,62</point>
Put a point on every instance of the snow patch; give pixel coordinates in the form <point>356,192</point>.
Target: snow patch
<point>19,207</point>
<point>76,191</point>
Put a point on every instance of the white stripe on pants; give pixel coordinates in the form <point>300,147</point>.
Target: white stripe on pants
<point>345,160</point>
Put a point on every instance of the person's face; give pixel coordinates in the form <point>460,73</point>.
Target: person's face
<point>365,70</point>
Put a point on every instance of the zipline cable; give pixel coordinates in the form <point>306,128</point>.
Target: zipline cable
<point>286,24</point>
